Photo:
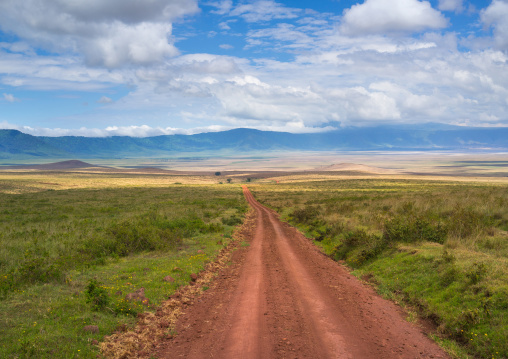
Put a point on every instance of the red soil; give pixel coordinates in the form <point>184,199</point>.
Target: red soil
<point>282,298</point>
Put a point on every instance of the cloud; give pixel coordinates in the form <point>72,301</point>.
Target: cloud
<point>18,47</point>
<point>226,46</point>
<point>105,100</point>
<point>133,131</point>
<point>10,98</point>
<point>120,44</point>
<point>451,5</point>
<point>323,74</point>
<point>109,33</point>
<point>264,10</point>
<point>391,16</point>
<point>282,33</point>
<point>496,16</point>
<point>225,25</point>
<point>223,6</point>
<point>30,71</point>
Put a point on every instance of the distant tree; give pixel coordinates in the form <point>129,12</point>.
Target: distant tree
<point>229,180</point>
<point>217,173</point>
<point>249,179</point>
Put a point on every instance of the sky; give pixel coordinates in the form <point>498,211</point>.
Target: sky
<point>155,67</point>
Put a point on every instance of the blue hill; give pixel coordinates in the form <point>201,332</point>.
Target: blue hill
<point>430,137</point>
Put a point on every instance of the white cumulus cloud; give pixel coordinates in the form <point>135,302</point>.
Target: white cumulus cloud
<point>109,33</point>
<point>496,16</point>
<point>391,16</point>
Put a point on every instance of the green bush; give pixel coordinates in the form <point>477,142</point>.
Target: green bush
<point>306,215</point>
<point>476,272</point>
<point>412,228</point>
<point>39,269</point>
<point>358,247</point>
<point>232,221</point>
<point>96,295</point>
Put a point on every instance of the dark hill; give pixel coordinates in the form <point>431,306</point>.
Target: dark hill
<point>14,144</point>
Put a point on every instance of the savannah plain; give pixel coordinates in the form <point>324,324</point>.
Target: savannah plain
<point>428,232</point>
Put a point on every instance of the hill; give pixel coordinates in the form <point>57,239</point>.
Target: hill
<point>63,165</point>
<point>430,137</point>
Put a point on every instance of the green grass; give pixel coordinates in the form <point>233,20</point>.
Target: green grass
<point>441,247</point>
<point>47,320</point>
<point>55,243</point>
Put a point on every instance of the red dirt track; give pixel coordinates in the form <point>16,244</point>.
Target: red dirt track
<point>282,298</point>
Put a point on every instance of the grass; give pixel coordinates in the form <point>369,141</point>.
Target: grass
<point>75,244</point>
<point>441,247</point>
<point>69,257</point>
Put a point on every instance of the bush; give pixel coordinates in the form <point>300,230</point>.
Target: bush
<point>466,222</point>
<point>412,228</point>
<point>96,295</point>
<point>38,269</point>
<point>358,247</point>
<point>306,215</point>
<point>232,221</point>
<point>476,273</point>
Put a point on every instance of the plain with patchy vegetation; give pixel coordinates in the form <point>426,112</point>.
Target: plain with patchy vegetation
<point>440,247</point>
<point>73,262</point>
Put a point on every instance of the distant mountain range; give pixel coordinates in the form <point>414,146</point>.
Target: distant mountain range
<point>429,137</point>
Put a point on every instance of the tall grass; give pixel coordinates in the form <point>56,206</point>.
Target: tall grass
<point>45,234</point>
<point>69,257</point>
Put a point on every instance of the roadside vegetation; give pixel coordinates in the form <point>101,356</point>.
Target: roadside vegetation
<point>439,248</point>
<point>70,258</point>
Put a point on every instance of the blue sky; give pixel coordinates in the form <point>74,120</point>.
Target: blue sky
<point>152,67</point>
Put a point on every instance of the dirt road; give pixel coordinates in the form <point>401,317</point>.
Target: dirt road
<point>282,298</point>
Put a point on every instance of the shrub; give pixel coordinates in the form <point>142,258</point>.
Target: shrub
<point>476,273</point>
<point>96,295</point>
<point>232,221</point>
<point>358,247</point>
<point>306,215</point>
<point>124,307</point>
<point>412,228</point>
<point>35,268</point>
<point>466,222</point>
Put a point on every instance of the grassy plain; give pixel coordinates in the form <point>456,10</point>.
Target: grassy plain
<point>434,243</point>
<point>438,246</point>
<point>62,231</point>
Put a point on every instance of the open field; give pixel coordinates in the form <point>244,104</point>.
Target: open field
<point>428,163</point>
<point>440,247</point>
<point>70,256</point>
<point>435,243</point>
